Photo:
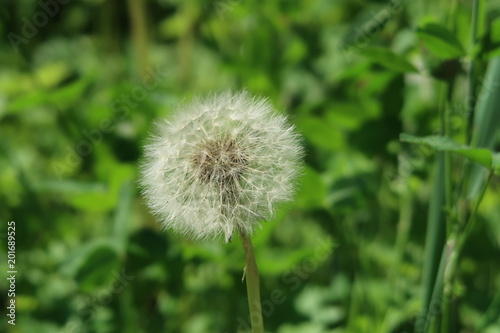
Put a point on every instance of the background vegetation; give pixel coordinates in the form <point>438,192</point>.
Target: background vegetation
<point>360,248</point>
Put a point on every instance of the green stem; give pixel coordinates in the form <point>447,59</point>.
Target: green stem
<point>435,236</point>
<point>451,225</point>
<point>463,236</point>
<point>449,259</point>
<point>472,219</point>
<point>138,20</point>
<point>491,314</point>
<point>403,233</point>
<point>471,101</point>
<point>253,287</point>
<point>457,237</point>
<point>434,289</point>
<point>446,127</point>
<point>433,309</point>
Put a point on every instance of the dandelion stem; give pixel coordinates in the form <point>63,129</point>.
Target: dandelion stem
<point>253,287</point>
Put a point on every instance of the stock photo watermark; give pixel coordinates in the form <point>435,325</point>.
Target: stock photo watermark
<point>11,272</point>
<point>369,30</point>
<point>88,311</point>
<point>222,7</point>
<point>436,307</point>
<point>292,280</point>
<point>30,28</point>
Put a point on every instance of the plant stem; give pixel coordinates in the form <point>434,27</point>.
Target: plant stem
<point>403,233</point>
<point>449,259</point>
<point>446,128</point>
<point>436,234</point>
<point>253,287</point>
<point>138,21</point>
<point>471,100</point>
<point>437,292</point>
<point>464,235</point>
<point>451,223</point>
<point>491,313</point>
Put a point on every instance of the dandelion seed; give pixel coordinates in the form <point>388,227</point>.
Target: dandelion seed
<point>220,164</point>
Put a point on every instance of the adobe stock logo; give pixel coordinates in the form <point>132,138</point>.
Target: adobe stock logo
<point>30,28</point>
<point>224,6</point>
<point>89,310</point>
<point>292,280</point>
<point>370,29</point>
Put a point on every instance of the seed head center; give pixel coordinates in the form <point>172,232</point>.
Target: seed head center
<point>221,162</point>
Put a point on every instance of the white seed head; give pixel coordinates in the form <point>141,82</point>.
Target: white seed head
<point>220,164</point>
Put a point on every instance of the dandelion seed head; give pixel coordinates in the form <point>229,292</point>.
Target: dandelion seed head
<point>220,163</point>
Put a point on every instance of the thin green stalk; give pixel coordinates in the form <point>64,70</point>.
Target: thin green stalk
<point>449,259</point>
<point>486,123</point>
<point>434,275</point>
<point>450,7</point>
<point>445,319</point>
<point>451,225</point>
<point>109,24</point>
<point>434,308</point>
<point>403,233</point>
<point>446,127</point>
<point>455,238</point>
<point>138,20</point>
<point>253,287</point>
<point>435,236</point>
<point>472,218</point>
<point>464,235</point>
<point>491,314</point>
<point>471,100</point>
<point>404,224</point>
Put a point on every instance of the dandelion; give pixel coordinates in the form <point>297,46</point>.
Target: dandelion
<point>220,164</point>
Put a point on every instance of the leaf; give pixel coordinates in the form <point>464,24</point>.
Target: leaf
<point>147,246</point>
<point>94,202</point>
<point>52,74</point>
<point>108,199</point>
<point>440,41</point>
<point>276,262</point>
<point>479,155</point>
<point>69,94</point>
<point>486,122</point>
<point>320,133</point>
<point>389,59</point>
<point>486,116</point>
<point>489,43</point>
<point>92,265</point>
<point>28,101</point>
<point>313,191</point>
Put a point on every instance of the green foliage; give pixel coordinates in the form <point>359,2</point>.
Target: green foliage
<point>388,59</point>
<point>440,41</point>
<point>360,247</point>
<point>484,157</point>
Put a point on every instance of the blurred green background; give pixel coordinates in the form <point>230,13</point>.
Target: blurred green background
<point>81,83</point>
